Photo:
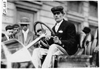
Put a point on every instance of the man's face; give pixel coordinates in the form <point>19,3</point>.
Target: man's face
<point>10,32</point>
<point>25,27</point>
<point>40,32</point>
<point>58,16</point>
<point>16,30</point>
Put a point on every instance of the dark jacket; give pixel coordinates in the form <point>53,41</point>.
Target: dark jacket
<point>67,35</point>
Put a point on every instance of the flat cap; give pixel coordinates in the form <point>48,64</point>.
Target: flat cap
<point>16,25</point>
<point>8,27</point>
<point>24,24</point>
<point>86,30</point>
<point>57,8</point>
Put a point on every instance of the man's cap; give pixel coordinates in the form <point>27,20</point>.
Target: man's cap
<point>86,30</point>
<point>57,9</point>
<point>24,24</point>
<point>8,27</point>
<point>24,21</point>
<point>16,26</point>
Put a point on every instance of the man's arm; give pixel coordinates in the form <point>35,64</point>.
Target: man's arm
<point>44,44</point>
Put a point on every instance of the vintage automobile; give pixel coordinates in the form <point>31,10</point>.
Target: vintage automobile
<point>16,52</point>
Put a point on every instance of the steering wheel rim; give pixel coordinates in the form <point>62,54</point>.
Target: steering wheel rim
<point>39,22</point>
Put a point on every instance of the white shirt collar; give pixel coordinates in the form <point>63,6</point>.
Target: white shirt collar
<point>57,25</point>
<point>60,22</point>
<point>25,33</point>
<point>7,36</point>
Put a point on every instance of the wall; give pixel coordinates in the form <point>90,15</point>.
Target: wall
<point>10,17</point>
<point>44,13</point>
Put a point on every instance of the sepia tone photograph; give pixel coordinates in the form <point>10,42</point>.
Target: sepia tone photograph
<point>49,34</point>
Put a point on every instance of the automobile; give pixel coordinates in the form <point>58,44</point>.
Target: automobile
<point>15,51</point>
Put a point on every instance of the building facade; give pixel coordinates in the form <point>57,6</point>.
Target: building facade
<point>78,12</point>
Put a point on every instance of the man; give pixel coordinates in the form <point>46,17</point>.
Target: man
<point>16,30</point>
<point>64,41</point>
<point>9,32</point>
<point>6,36</point>
<point>43,43</point>
<point>25,35</point>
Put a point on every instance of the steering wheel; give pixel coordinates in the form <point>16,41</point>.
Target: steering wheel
<point>43,26</point>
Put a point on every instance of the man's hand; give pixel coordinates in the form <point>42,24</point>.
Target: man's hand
<point>47,37</point>
<point>56,40</point>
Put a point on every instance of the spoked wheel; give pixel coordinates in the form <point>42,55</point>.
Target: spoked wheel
<point>47,30</point>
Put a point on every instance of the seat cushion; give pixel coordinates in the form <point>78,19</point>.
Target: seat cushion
<point>63,61</point>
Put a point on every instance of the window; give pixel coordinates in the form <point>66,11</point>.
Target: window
<point>75,6</point>
<point>27,16</point>
<point>28,9</point>
<point>13,46</point>
<point>93,9</point>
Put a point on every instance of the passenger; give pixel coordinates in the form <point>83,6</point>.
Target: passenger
<point>9,32</point>
<point>25,36</point>
<point>44,42</point>
<point>86,31</point>
<point>6,36</point>
<point>16,30</point>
